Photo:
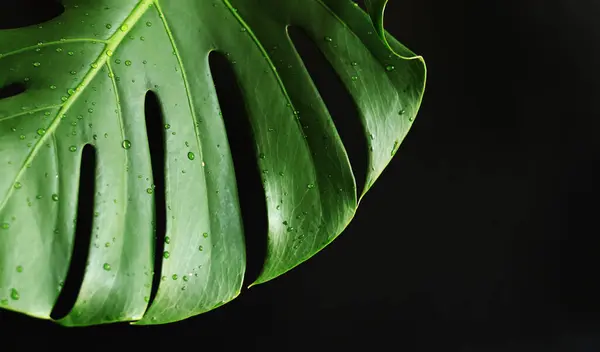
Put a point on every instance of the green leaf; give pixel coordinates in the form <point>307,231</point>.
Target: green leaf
<point>87,73</point>
<point>376,9</point>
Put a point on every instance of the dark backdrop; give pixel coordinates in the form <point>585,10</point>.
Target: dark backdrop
<point>492,247</point>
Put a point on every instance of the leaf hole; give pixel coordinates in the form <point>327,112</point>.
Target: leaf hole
<point>12,90</point>
<point>155,131</point>
<point>250,190</point>
<point>83,235</point>
<point>338,100</point>
<point>23,13</point>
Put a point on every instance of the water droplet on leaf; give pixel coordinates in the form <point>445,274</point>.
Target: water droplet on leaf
<point>14,294</point>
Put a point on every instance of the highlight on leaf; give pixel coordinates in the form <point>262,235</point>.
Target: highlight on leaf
<point>161,237</point>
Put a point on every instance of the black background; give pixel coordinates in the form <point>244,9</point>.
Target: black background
<point>480,235</point>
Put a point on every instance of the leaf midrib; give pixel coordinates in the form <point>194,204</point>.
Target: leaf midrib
<point>111,44</point>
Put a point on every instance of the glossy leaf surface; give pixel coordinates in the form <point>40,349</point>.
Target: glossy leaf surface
<point>86,74</point>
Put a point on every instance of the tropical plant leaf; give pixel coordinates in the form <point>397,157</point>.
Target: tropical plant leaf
<point>87,73</point>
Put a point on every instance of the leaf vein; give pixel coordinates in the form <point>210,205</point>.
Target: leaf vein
<point>87,78</point>
<point>56,42</point>
<point>5,118</point>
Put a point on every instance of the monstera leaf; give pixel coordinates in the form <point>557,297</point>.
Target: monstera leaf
<point>86,74</point>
